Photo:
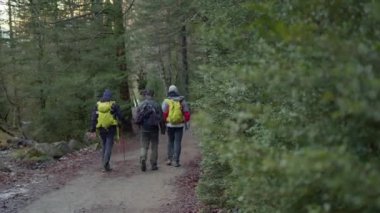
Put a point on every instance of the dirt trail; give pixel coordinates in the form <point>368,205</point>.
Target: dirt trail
<point>125,189</point>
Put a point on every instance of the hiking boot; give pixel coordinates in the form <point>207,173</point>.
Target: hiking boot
<point>143,166</point>
<point>168,162</point>
<point>107,168</point>
<point>177,164</point>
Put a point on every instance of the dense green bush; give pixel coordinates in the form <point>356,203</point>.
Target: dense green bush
<point>294,113</point>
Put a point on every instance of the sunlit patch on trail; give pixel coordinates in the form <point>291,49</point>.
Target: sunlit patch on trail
<point>18,190</point>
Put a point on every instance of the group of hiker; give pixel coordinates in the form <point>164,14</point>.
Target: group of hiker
<point>172,117</point>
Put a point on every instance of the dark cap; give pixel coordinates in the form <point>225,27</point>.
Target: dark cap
<point>149,92</point>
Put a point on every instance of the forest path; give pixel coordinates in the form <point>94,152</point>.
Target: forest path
<point>125,189</point>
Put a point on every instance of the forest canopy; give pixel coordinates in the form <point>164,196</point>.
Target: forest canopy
<point>285,94</point>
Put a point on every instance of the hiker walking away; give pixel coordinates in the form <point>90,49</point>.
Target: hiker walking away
<point>150,120</point>
<point>105,118</point>
<point>176,115</point>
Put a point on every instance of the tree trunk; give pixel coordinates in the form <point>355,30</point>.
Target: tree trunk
<point>16,100</point>
<point>10,24</point>
<point>185,64</point>
<point>162,74</point>
<point>121,60</point>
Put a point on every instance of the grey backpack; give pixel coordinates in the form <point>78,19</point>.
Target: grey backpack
<point>147,114</point>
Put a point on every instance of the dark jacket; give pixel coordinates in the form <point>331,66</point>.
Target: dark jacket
<point>145,125</point>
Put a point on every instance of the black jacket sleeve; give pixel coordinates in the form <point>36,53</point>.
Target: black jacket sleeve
<point>94,119</point>
<point>116,111</point>
<point>162,121</point>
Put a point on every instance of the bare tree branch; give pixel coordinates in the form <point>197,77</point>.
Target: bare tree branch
<point>129,7</point>
<point>79,16</point>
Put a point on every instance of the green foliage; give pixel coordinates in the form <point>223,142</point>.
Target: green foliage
<point>157,85</point>
<point>61,55</point>
<point>295,96</point>
<point>156,41</point>
<point>212,187</point>
<point>30,155</point>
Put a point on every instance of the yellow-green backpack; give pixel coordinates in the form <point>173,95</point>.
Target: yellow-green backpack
<point>105,118</point>
<point>175,112</point>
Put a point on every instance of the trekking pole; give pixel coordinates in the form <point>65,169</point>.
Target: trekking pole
<point>123,143</point>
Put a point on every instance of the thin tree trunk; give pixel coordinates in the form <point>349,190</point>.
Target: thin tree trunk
<point>121,60</point>
<point>168,79</point>
<point>16,103</point>
<point>161,60</point>
<point>10,24</point>
<point>71,8</point>
<point>185,63</point>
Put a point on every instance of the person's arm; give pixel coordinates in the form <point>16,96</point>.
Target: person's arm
<point>138,118</point>
<point>94,119</point>
<point>186,111</point>
<point>165,110</point>
<point>162,121</point>
<point>116,111</point>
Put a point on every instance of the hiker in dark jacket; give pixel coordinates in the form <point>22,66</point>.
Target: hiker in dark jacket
<point>150,120</point>
<point>177,116</point>
<point>105,118</point>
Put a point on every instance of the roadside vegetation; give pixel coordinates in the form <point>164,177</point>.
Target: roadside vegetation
<point>285,94</point>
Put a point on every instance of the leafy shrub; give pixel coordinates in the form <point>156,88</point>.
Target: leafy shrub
<point>294,110</point>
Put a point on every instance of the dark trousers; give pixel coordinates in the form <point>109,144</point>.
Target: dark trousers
<point>107,136</point>
<point>149,138</point>
<point>174,144</point>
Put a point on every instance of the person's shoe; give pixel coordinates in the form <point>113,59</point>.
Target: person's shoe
<point>168,162</point>
<point>143,166</point>
<point>154,168</point>
<point>177,164</point>
<point>106,170</point>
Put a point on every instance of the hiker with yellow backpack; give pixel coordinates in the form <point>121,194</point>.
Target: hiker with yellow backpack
<point>105,119</point>
<point>177,115</point>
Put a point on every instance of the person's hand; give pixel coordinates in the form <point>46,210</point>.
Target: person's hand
<point>124,123</point>
<point>91,135</point>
